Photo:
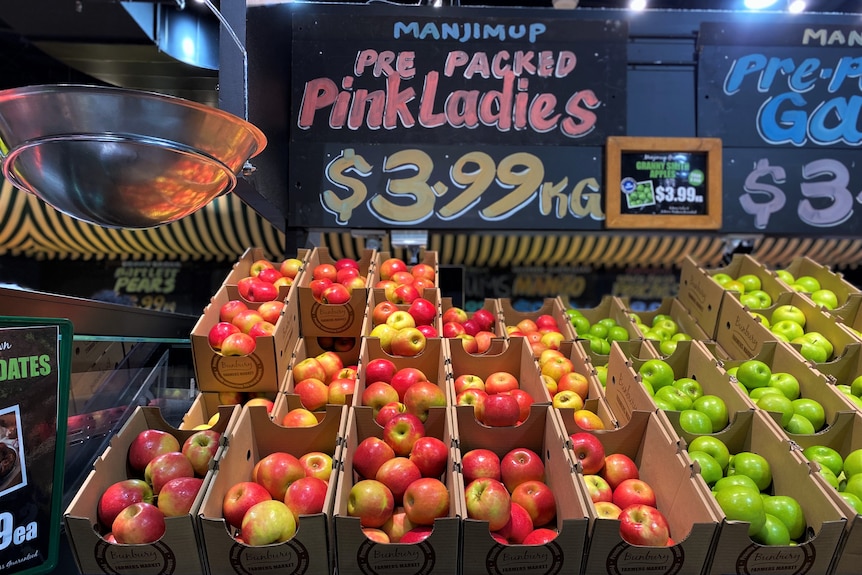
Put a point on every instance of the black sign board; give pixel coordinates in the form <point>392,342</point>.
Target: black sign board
<point>35,364</point>
<point>664,182</point>
<point>448,118</point>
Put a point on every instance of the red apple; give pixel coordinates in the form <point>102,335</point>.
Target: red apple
<point>331,363</point>
<point>586,419</point>
<point>269,275</point>
<point>538,499</point>
<point>468,381</point>
<point>431,455</point>
<point>312,392</point>
<point>148,444</point>
<point>396,474</point>
<point>598,488</point>
<point>576,382</point>
<point>342,263</point>
<point>519,465</point>
<point>380,369</point>
<point>485,318</point>
<point>501,410</point>
<point>231,397</point>
<point>306,496</point>
<point>468,343</point>
<point>644,525</point>
<point>474,397</point>
<point>488,500</point>
<point>268,522</point>
<point>139,523</point>
<point>404,378</point>
<point>120,495</point>
<point>299,417</point>
<point>500,381</point>
<point>290,267</point>
<point>480,462</point>
<point>423,311</point>
<point>309,367</point>
<point>369,455</point>
<point>422,396</point>
<point>239,498</point>
<point>405,294</point>
<point>200,448</point>
<point>557,367</point>
<point>454,314</point>
<point>276,471</point>
<point>354,283</point>
<point>162,468</point>
<point>391,266</point>
<point>376,535</point>
<point>270,310</point>
<point>178,495</point>
<point>381,311</point>
<point>230,308</point>
<point>238,344</point>
<point>259,291</point>
<point>484,339</point>
<point>633,492</point>
<point>264,402</point>
<point>525,401</point>
<point>243,286</point>
<point>371,502</point>
<point>377,394</point>
<point>425,500</point>
<point>429,331</point>
<point>335,294</point>
<point>589,451</point>
<point>452,329</point>
<point>520,525</point>
<point>388,411</point>
<point>408,342</point>
<point>217,333</point>
<point>540,536</point>
<point>344,274</point>
<point>317,464</point>
<point>619,467</point>
<point>397,525</point>
<point>527,326</point>
<point>324,271</point>
<point>258,266</point>
<point>317,286</point>
<point>403,277</point>
<point>417,534</point>
<point>340,389</point>
<point>402,431</point>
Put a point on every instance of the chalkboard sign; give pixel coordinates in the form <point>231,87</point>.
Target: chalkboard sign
<point>656,183</point>
<point>35,364</point>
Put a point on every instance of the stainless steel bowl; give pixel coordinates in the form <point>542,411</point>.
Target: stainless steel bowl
<point>121,158</point>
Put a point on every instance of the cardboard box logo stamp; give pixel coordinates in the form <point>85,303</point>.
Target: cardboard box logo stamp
<point>335,319</point>
<point>372,559</point>
<point>237,372</point>
<point>156,558</point>
<point>626,558</point>
<point>288,557</point>
<point>798,559</point>
<point>533,559</point>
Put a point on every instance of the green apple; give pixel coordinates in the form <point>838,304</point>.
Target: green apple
<point>731,371</point>
<point>786,383</point>
<point>667,346</point>
<point>668,326</point>
<point>799,425</point>
<point>788,511</point>
<point>608,322</point>
<point>573,313</point>
<point>773,532</point>
<point>598,345</point>
<point>856,400</point>
<point>750,281</point>
<point>601,373</point>
<point>810,350</point>
<point>760,317</point>
<point>825,298</point>
<point>710,469</point>
<point>830,477</point>
<point>659,317</point>
<point>757,299</point>
<point>854,501</point>
<point>599,330</point>
<point>618,333</point>
<point>809,284</point>
<point>741,503</point>
<point>657,372</point>
<point>785,276</point>
<point>722,278</point>
<point>826,457</point>
<point>844,388</point>
<point>734,285</point>
<point>663,405</point>
<point>853,463</point>
<point>759,392</point>
<point>854,486</point>
<point>677,398</point>
<point>753,373</point>
<point>654,335</point>
<point>812,410</point>
<point>690,386</point>
<point>787,311</point>
<point>787,328</point>
<point>581,324</point>
<point>777,403</point>
<point>818,338</point>
<point>856,386</point>
<point>735,480</point>
<point>694,422</point>
<point>753,465</point>
<point>712,445</point>
<point>715,408</point>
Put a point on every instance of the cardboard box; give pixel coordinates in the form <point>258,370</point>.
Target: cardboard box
<point>734,551</point>
<point>355,553</point>
<point>700,295</point>
<point>176,553</point>
<point>541,432</point>
<point>738,333</point>
<point>254,437</point>
<point>831,280</point>
<point>845,436</point>
<point>339,320</point>
<point>846,368</point>
<point>242,269</point>
<point>516,358</point>
<point>427,257</point>
<point>850,314</point>
<point>673,307</point>
<point>490,304</point>
<point>262,370</point>
<point>347,348</point>
<point>551,306</point>
<point>378,295</point>
<point>576,352</point>
<point>781,357</point>
<point>610,307</point>
<point>680,495</point>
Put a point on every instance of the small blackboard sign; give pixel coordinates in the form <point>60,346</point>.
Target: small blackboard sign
<point>670,183</point>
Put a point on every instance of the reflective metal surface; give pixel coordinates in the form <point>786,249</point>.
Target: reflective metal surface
<point>121,158</point>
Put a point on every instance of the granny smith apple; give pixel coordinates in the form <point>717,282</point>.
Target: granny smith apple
<point>608,322</point>
<point>788,311</point>
<point>753,373</point>
<point>788,511</point>
<point>690,386</point>
<point>856,400</point>
<point>677,398</point>
<point>712,445</point>
<point>715,408</point>
<point>853,463</point>
<point>773,532</point>
<point>787,328</point>
<point>825,298</point>
<point>581,324</point>
<point>830,477</point>
<point>660,317</point>
<point>786,383</point>
<point>681,336</point>
<point>735,480</point>
<point>854,486</point>
<point>759,392</point>
<point>710,469</point>
<point>750,281</point>
<point>694,422</point>
<point>844,388</point>
<point>818,338</point>
<point>810,349</point>
<point>667,346</point>
<point>599,330</point>
<point>722,278</point>
<point>601,373</point>
<point>856,386</point>
<point>826,457</point>
<point>734,285</point>
<point>785,276</point>
<point>663,405</point>
<point>753,465</point>
<point>799,425</point>
<point>760,317</point>
<point>657,372</point>
<point>812,410</point>
<point>777,403</point>
<point>809,284</point>
<point>741,503</point>
<point>618,333</point>
<point>854,501</point>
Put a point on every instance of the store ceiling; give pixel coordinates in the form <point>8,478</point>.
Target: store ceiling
<point>127,44</point>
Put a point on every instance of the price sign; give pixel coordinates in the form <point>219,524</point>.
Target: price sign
<point>35,361</point>
<point>664,182</point>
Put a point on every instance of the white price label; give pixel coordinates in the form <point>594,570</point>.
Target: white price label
<point>681,194</point>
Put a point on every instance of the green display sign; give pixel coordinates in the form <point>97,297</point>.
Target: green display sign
<point>35,365</point>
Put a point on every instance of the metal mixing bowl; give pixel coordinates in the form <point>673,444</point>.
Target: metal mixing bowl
<point>121,158</point>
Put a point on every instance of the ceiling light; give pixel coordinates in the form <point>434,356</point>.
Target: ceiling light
<point>565,4</point>
<point>796,6</point>
<point>638,5</point>
<point>759,4</point>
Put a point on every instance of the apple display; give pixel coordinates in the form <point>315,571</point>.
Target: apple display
<point>268,522</point>
<point>139,523</point>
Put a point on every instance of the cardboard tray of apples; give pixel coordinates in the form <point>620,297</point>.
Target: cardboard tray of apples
<point>269,503</point>
<point>395,317</point>
<point>254,278</point>
<point>398,507</point>
<point>534,325</point>
<point>828,289</point>
<point>136,510</point>
<point>523,504</point>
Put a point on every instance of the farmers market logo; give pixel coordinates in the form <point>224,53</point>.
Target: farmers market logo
<point>333,318</point>
<point>288,557</point>
<point>237,372</point>
<point>373,558</point>
<point>157,559</point>
<point>625,558</point>
<point>544,559</point>
<point>763,559</point>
